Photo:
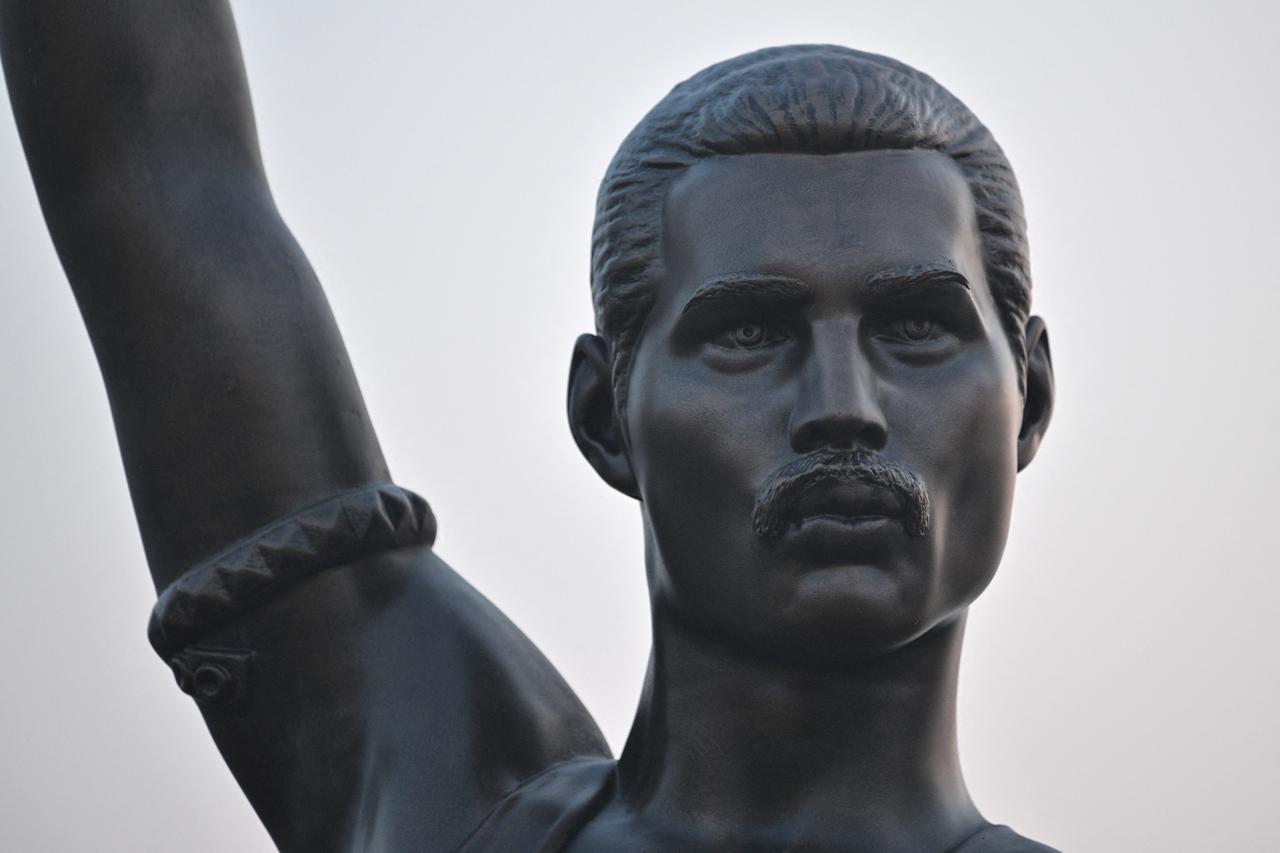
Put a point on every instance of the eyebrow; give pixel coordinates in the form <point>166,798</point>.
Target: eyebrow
<point>901,280</point>
<point>780,290</point>
<point>749,287</point>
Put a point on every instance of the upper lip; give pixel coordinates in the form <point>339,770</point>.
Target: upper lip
<point>848,499</point>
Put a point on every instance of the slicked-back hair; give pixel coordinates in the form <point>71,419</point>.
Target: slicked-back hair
<point>802,99</point>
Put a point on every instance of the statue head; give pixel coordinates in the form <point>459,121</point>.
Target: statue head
<point>815,364</point>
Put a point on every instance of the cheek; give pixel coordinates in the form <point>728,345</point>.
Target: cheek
<point>699,451</point>
<point>970,467</point>
<point>696,439</point>
<point>672,428</point>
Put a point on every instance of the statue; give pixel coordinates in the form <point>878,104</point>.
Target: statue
<point>814,369</point>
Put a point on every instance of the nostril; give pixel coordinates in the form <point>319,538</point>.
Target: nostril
<point>841,432</point>
<point>874,437</point>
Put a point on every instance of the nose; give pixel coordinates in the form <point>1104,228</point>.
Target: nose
<point>838,405</point>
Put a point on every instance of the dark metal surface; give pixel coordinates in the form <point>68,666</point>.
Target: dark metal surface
<point>814,368</point>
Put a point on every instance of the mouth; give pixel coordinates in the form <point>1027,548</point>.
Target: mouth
<point>847,492</point>
<point>852,504</point>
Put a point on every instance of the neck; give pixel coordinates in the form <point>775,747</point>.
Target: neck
<point>728,747</point>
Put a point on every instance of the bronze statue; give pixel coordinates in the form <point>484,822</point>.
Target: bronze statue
<point>815,370</point>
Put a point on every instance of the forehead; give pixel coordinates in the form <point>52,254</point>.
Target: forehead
<point>824,218</point>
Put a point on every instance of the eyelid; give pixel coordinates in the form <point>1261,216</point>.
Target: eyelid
<point>939,331</point>
<point>703,322</point>
<point>770,332</point>
<point>956,313</point>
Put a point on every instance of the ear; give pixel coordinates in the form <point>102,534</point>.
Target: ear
<point>1037,407</point>
<point>592,415</point>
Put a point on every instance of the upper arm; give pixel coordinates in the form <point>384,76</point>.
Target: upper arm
<point>389,706</point>
<point>232,395</point>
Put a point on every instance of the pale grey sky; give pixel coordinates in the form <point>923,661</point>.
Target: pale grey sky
<point>1119,687</point>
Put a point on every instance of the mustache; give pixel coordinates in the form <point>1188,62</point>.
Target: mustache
<point>776,503</point>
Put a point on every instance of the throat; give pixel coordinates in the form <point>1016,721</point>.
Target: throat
<point>729,748</point>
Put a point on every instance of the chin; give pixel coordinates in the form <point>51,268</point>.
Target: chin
<point>832,617</point>
<point>850,614</point>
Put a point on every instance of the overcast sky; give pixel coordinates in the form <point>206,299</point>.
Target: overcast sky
<point>1119,688</point>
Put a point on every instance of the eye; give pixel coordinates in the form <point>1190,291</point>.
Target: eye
<point>914,330</point>
<point>918,329</point>
<point>748,334</point>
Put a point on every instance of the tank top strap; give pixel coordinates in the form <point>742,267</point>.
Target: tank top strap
<point>1000,839</point>
<point>544,813</point>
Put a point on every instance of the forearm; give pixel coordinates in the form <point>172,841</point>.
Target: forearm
<point>233,399</point>
<point>122,95</point>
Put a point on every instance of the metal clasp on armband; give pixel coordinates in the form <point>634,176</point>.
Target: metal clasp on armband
<point>214,677</point>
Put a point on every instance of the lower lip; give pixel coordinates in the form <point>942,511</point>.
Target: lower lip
<point>842,532</point>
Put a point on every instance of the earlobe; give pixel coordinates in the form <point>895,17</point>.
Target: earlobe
<point>1037,406</point>
<point>592,415</point>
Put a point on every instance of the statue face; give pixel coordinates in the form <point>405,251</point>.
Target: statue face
<point>814,305</point>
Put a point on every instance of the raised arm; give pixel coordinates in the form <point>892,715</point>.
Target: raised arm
<point>233,398</point>
<point>364,695</point>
